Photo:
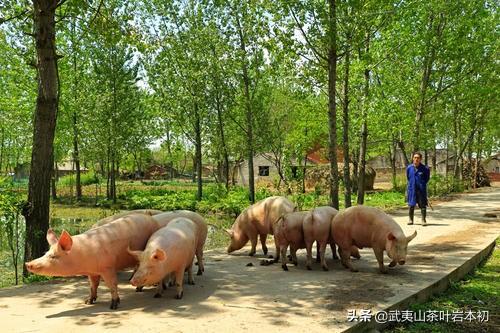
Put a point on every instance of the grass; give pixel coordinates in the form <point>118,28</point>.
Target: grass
<point>478,291</point>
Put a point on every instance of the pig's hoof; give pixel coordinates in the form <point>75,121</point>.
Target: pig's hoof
<point>309,268</point>
<point>354,270</point>
<point>163,286</point>
<point>251,253</point>
<point>325,268</point>
<point>114,304</point>
<point>138,289</point>
<point>90,300</point>
<point>383,271</point>
<point>318,259</point>
<point>295,263</point>
<point>264,250</point>
<point>191,282</point>
<point>199,272</point>
<point>179,296</point>
<point>284,267</point>
<point>157,295</point>
<point>335,257</point>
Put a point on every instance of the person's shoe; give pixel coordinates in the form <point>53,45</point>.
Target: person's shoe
<point>410,222</point>
<point>424,222</point>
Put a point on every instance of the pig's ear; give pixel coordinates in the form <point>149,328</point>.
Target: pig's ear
<point>409,238</point>
<point>391,237</point>
<point>51,237</point>
<point>65,241</point>
<point>159,255</point>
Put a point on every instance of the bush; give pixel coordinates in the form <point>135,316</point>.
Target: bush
<point>85,179</point>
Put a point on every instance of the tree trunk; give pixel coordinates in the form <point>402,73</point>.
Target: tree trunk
<point>76,157</point>
<point>364,135</point>
<point>225,154</point>
<point>197,128</point>
<point>347,176</point>
<point>393,156</point>
<point>249,113</point>
<point>332,106</point>
<point>36,210</point>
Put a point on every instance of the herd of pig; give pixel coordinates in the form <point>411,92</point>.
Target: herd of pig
<point>161,246</point>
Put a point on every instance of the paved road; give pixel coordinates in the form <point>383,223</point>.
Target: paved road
<point>232,296</point>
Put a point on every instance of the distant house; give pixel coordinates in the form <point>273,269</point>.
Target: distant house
<point>492,167</point>
<point>22,171</point>
<point>157,171</point>
<point>68,167</point>
<point>266,171</point>
<point>382,163</point>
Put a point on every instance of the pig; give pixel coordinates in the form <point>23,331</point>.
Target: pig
<point>150,212</point>
<point>97,253</point>
<point>316,227</point>
<point>364,226</point>
<point>201,230</point>
<point>170,250</point>
<point>258,220</point>
<point>288,232</point>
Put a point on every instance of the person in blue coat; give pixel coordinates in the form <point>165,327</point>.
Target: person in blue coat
<point>418,176</point>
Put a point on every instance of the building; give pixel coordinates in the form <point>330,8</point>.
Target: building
<point>492,167</point>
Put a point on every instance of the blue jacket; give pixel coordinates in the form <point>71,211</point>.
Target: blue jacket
<point>417,181</point>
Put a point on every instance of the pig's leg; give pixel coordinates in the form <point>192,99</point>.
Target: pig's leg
<point>322,251</point>
<point>94,283</point>
<point>277,251</point>
<point>263,238</point>
<point>309,245</point>
<point>201,266</point>
<point>159,288</point>
<point>379,254</point>
<point>293,253</point>
<point>334,250</point>
<point>190,274</point>
<point>283,258</point>
<point>253,241</point>
<point>345,256</point>
<point>112,283</point>
<point>318,255</point>
<point>178,283</point>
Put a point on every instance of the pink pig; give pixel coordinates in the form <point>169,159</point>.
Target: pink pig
<point>201,230</point>
<point>317,228</point>
<point>288,232</point>
<point>150,212</point>
<point>170,250</point>
<point>364,226</point>
<point>97,253</point>
<point>258,220</point>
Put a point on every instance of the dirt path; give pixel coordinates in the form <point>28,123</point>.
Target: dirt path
<point>232,296</point>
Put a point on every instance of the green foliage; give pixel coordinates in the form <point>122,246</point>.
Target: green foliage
<point>478,291</point>
<point>11,224</point>
<point>85,179</point>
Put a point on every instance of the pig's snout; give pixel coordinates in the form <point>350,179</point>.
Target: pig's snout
<point>229,249</point>
<point>137,282</point>
<point>401,262</point>
<point>30,266</point>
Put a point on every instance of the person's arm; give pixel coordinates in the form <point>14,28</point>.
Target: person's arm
<point>407,174</point>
